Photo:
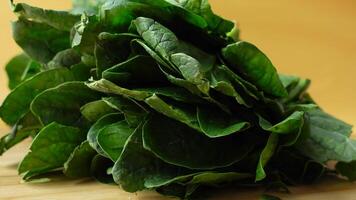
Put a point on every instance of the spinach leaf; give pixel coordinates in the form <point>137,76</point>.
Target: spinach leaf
<point>50,149</point>
<point>137,168</point>
<point>84,34</point>
<point>162,95</point>
<point>215,123</point>
<point>191,70</point>
<point>106,47</point>
<point>133,111</point>
<point>40,41</point>
<point>182,113</point>
<point>18,102</point>
<point>139,71</point>
<point>106,86</point>
<point>291,123</point>
<point>60,20</point>
<point>65,58</point>
<point>99,169</point>
<point>95,110</point>
<point>113,137</point>
<point>216,178</point>
<point>62,103</point>
<point>119,13</point>
<point>222,151</point>
<point>78,163</point>
<point>265,156</point>
<point>328,139</point>
<point>20,68</point>
<point>246,59</point>
<point>158,37</point>
<point>98,126</point>
<point>203,8</point>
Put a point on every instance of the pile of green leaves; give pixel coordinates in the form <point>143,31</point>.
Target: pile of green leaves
<point>161,95</point>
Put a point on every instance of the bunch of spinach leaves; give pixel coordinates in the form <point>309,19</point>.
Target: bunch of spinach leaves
<point>163,95</point>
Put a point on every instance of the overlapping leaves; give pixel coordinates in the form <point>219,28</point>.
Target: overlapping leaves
<point>161,95</point>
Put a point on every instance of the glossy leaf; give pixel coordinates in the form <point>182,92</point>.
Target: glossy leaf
<point>265,156</point>
<point>328,139</point>
<point>137,168</point>
<point>98,126</point>
<point>288,125</point>
<point>246,59</point>
<point>50,149</point>
<point>215,123</point>
<point>95,110</point>
<point>62,104</point>
<point>222,151</point>
<point>40,41</point>
<point>113,137</point>
<point>20,68</point>
<point>18,102</point>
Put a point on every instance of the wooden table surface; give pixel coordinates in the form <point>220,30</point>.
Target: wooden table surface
<point>60,188</point>
<point>311,38</point>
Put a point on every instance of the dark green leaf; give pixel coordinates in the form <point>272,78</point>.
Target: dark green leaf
<point>41,42</point>
<point>134,112</point>
<point>138,169</point>
<point>95,110</point>
<point>295,89</point>
<point>202,8</point>
<point>158,37</point>
<point>19,69</point>
<point>139,47</point>
<point>17,103</point>
<point>106,86</point>
<point>78,163</point>
<point>112,138</point>
<point>136,71</point>
<point>50,149</point>
<point>180,112</point>
<point>99,169</point>
<point>118,14</point>
<point>62,104</point>
<point>106,49</point>
<point>248,60</point>
<point>191,70</point>
<point>216,178</point>
<point>160,136</point>
<point>85,33</point>
<point>265,156</point>
<point>328,139</point>
<point>60,20</point>
<point>81,71</point>
<point>215,123</point>
<point>66,58</point>
<point>98,126</point>
<point>288,125</point>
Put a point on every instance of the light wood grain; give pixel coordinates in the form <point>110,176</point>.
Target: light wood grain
<point>60,188</point>
<point>311,38</point>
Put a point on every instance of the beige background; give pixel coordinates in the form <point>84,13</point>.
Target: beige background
<point>311,38</point>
